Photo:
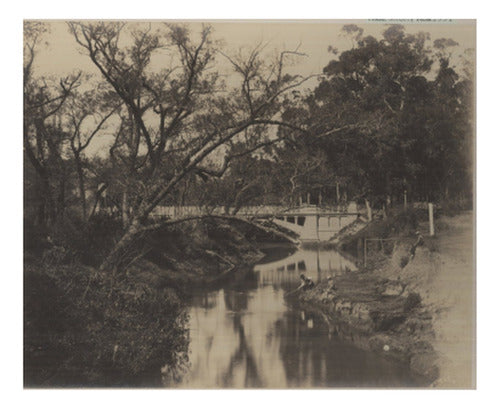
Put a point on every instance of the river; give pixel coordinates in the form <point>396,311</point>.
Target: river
<point>247,335</point>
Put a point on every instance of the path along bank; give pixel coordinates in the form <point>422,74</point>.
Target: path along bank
<point>414,301</point>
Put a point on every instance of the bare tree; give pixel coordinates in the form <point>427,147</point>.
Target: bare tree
<point>43,137</point>
<point>86,114</point>
<point>184,113</point>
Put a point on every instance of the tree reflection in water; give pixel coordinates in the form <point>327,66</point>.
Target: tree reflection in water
<point>246,336</point>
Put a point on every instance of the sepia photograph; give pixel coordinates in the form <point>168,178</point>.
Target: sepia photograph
<point>249,204</point>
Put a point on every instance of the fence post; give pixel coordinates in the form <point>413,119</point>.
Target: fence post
<point>431,219</point>
<point>317,226</point>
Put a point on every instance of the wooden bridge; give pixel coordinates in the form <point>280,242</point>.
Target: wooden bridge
<point>308,221</point>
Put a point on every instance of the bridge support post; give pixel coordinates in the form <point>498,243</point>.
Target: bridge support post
<point>368,210</point>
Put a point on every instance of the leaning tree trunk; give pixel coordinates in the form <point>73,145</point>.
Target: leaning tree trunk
<point>136,226</point>
<point>118,254</point>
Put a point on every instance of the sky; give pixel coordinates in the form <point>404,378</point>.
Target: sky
<point>312,37</point>
<point>60,55</point>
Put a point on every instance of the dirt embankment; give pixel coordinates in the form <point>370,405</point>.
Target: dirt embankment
<point>377,315</point>
<point>416,304</point>
<point>452,294</point>
<point>85,327</point>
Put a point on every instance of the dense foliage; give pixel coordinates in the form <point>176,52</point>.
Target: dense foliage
<point>404,118</point>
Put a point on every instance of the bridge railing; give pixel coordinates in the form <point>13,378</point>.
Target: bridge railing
<point>250,211</point>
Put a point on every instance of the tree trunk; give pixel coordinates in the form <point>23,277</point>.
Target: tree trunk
<point>46,205</point>
<point>43,189</point>
<point>81,185</point>
<point>125,220</point>
<point>116,256</point>
<point>61,197</point>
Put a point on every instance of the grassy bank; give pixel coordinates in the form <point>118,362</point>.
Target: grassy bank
<point>413,301</point>
<point>85,327</point>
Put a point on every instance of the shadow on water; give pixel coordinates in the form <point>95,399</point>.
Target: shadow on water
<point>246,335</point>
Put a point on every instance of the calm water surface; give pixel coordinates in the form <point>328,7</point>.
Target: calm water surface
<point>246,335</point>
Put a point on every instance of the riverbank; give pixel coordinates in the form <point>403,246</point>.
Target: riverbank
<point>453,294</point>
<point>414,303</point>
<point>85,327</point>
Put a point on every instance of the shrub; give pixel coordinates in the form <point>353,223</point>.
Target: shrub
<point>85,328</point>
<point>71,240</point>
